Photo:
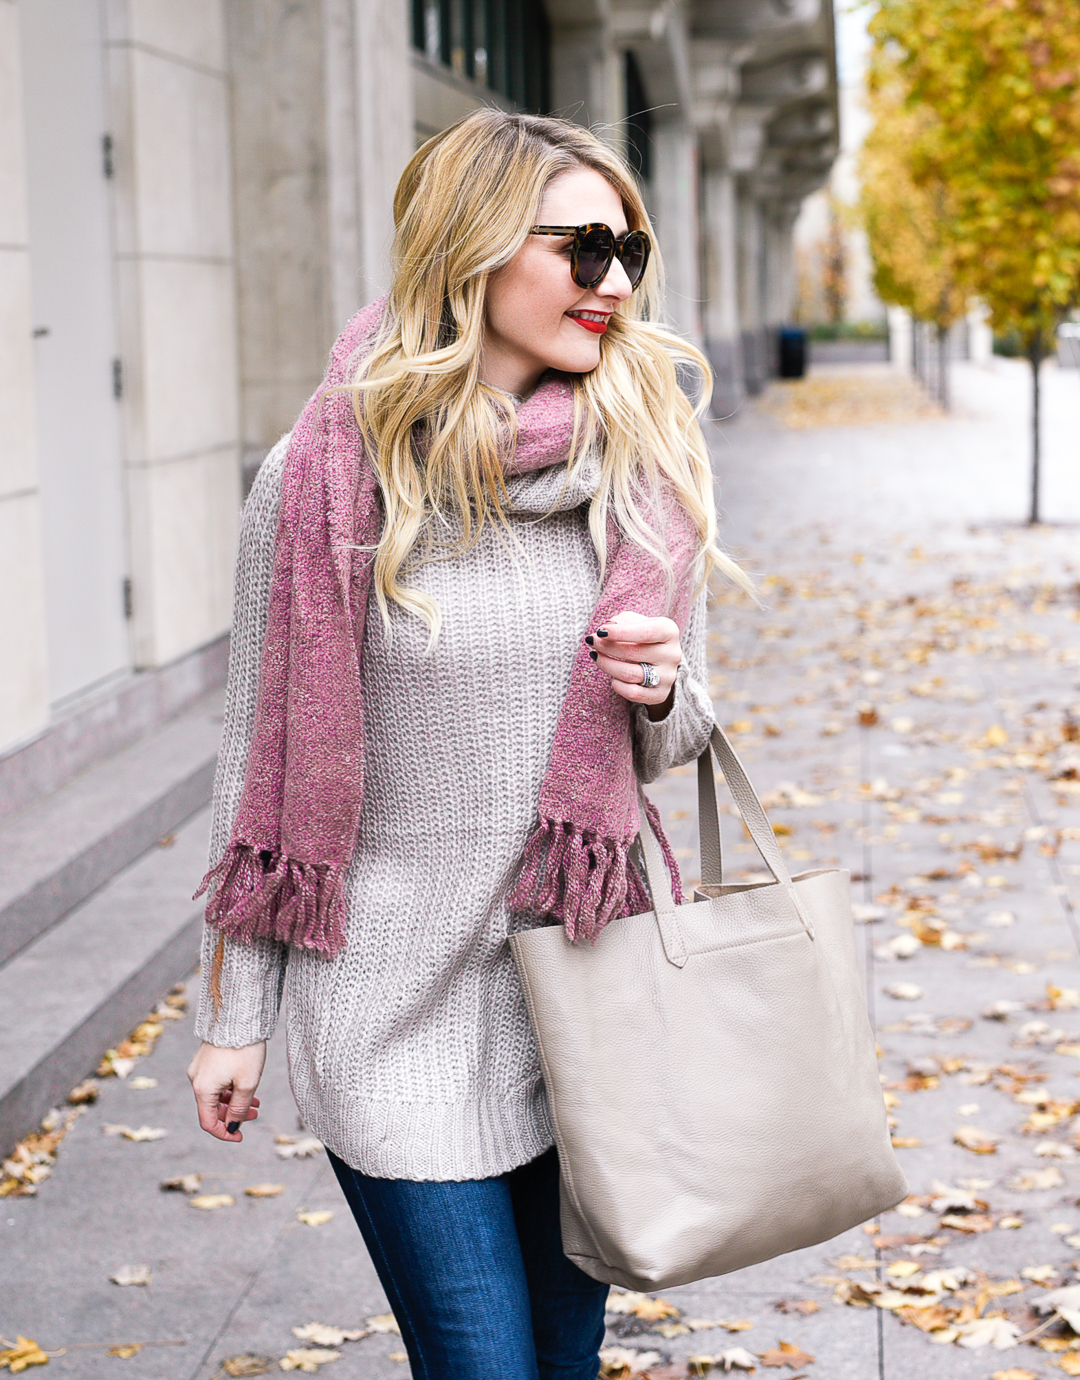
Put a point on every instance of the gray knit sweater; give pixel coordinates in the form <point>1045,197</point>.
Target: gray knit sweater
<point>411,1055</point>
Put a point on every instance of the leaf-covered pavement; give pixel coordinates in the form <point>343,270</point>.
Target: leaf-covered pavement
<point>905,703</point>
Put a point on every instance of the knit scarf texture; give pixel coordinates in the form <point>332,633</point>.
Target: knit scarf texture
<point>283,874</point>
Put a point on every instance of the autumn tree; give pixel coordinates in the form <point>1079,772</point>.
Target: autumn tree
<point>907,221</point>
<point>999,81</point>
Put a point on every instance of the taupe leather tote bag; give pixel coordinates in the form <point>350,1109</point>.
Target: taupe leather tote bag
<point>710,1067</point>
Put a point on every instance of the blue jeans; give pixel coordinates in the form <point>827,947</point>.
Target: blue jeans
<point>476,1276</point>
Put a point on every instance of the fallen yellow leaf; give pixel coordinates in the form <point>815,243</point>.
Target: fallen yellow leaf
<point>25,1352</point>
<point>308,1358</point>
<point>246,1364</point>
<point>209,1202</point>
<point>314,1218</point>
<point>786,1354</point>
<point>126,1352</point>
<point>264,1190</point>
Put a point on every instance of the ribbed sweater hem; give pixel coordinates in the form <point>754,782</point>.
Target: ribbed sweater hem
<point>475,1139</point>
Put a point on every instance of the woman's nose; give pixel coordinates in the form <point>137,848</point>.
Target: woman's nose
<point>615,284</point>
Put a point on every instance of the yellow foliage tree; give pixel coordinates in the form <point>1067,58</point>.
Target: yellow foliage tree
<point>907,221</point>
<point>999,82</point>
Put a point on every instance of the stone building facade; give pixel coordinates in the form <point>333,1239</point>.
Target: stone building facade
<point>195,195</point>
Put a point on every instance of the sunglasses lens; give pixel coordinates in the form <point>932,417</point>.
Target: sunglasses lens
<point>595,251</point>
<point>635,255</point>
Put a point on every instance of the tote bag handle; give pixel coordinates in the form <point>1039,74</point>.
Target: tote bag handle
<point>758,827</point>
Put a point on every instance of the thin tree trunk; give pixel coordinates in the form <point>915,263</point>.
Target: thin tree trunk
<point>1035,354</point>
<point>943,366</point>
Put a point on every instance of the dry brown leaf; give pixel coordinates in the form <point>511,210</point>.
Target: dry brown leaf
<point>297,1147</point>
<point>138,1133</point>
<point>971,1222</point>
<point>323,1334</point>
<point>125,1352</point>
<point>854,1262</point>
<point>132,1274</point>
<point>1070,1364</point>
<point>642,1306</point>
<point>84,1092</point>
<point>308,1358</point>
<point>620,1361</point>
<point>247,1363</point>
<point>803,1306</point>
<point>186,1183</point>
<point>978,1141</point>
<point>786,1354</point>
<point>25,1352</point>
<point>737,1358</point>
<point>264,1190</point>
<point>994,1331</point>
<point>1037,1180</point>
<point>383,1322</point>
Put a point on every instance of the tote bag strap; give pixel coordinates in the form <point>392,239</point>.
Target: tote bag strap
<point>757,825</point>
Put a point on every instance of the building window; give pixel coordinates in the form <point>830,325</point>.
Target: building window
<point>501,44</point>
<point>639,121</point>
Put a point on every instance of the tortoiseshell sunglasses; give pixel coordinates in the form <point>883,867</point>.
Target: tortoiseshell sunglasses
<point>594,248</point>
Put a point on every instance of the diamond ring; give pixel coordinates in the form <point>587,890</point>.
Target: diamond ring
<point>650,677</point>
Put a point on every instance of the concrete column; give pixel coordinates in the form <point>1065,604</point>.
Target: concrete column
<point>587,79</point>
<point>23,685</point>
<point>980,335</point>
<point>900,339</point>
<point>386,119</point>
<point>177,320</point>
<point>720,313</point>
<point>676,211</point>
<point>751,290</point>
<point>293,218</point>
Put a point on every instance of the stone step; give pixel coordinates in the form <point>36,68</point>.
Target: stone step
<point>59,850</point>
<point>89,979</point>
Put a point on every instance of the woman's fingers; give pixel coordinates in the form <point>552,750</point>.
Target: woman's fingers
<point>224,1082</point>
<point>635,630</point>
<point>630,672</point>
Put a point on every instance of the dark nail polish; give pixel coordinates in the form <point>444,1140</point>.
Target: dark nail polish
<point>589,640</point>
<point>233,1127</point>
<point>601,632</point>
<point>594,655</point>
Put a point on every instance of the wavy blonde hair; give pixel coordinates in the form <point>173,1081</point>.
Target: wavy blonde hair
<point>438,435</point>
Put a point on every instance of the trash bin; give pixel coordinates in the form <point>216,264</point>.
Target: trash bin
<point>792,352</point>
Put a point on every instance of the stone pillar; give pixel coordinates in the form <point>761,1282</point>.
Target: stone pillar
<point>587,78</point>
<point>676,213</point>
<point>900,339</point>
<point>720,286</point>
<point>23,685</point>
<point>177,320</point>
<point>751,289</point>
<point>282,56</point>
<point>386,119</point>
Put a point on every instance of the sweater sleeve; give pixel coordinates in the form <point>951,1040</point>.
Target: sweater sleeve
<point>682,734</point>
<point>250,977</point>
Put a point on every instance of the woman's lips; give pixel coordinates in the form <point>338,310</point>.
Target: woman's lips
<point>594,322</point>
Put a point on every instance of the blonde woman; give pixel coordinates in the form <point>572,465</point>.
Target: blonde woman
<point>464,587</point>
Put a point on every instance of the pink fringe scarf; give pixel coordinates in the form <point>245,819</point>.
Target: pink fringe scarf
<point>282,876</point>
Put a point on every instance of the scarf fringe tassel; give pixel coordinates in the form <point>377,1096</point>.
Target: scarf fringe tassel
<point>293,902</point>
<point>581,881</point>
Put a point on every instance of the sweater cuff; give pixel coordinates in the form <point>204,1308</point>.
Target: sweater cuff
<point>678,737</point>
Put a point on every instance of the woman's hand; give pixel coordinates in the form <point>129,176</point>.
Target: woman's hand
<point>624,642</point>
<point>224,1083</point>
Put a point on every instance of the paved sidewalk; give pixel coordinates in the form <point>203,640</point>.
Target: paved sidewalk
<point>904,702</point>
